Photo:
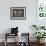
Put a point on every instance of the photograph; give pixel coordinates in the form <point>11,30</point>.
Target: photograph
<point>18,13</point>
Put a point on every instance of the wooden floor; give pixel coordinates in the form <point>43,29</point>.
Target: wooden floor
<point>13,44</point>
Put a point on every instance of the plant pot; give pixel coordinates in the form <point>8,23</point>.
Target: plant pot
<point>40,40</point>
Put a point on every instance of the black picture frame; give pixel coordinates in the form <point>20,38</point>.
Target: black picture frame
<point>18,13</point>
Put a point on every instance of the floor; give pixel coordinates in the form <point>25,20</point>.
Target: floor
<point>13,44</point>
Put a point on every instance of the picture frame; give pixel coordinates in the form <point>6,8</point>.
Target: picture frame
<point>18,13</point>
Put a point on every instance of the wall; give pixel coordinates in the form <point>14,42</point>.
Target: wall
<point>24,25</point>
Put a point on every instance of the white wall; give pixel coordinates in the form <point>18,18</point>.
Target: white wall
<point>24,25</point>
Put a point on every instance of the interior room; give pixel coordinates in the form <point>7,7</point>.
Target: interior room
<point>22,22</point>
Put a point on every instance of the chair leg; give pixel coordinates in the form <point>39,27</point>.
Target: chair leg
<point>5,43</point>
<point>5,40</point>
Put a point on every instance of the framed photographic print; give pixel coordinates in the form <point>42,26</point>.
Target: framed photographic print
<point>41,8</point>
<point>18,13</point>
<point>41,12</point>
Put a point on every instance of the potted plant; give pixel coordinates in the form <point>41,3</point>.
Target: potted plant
<point>34,26</point>
<point>39,35</point>
<point>42,27</point>
<point>38,27</point>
